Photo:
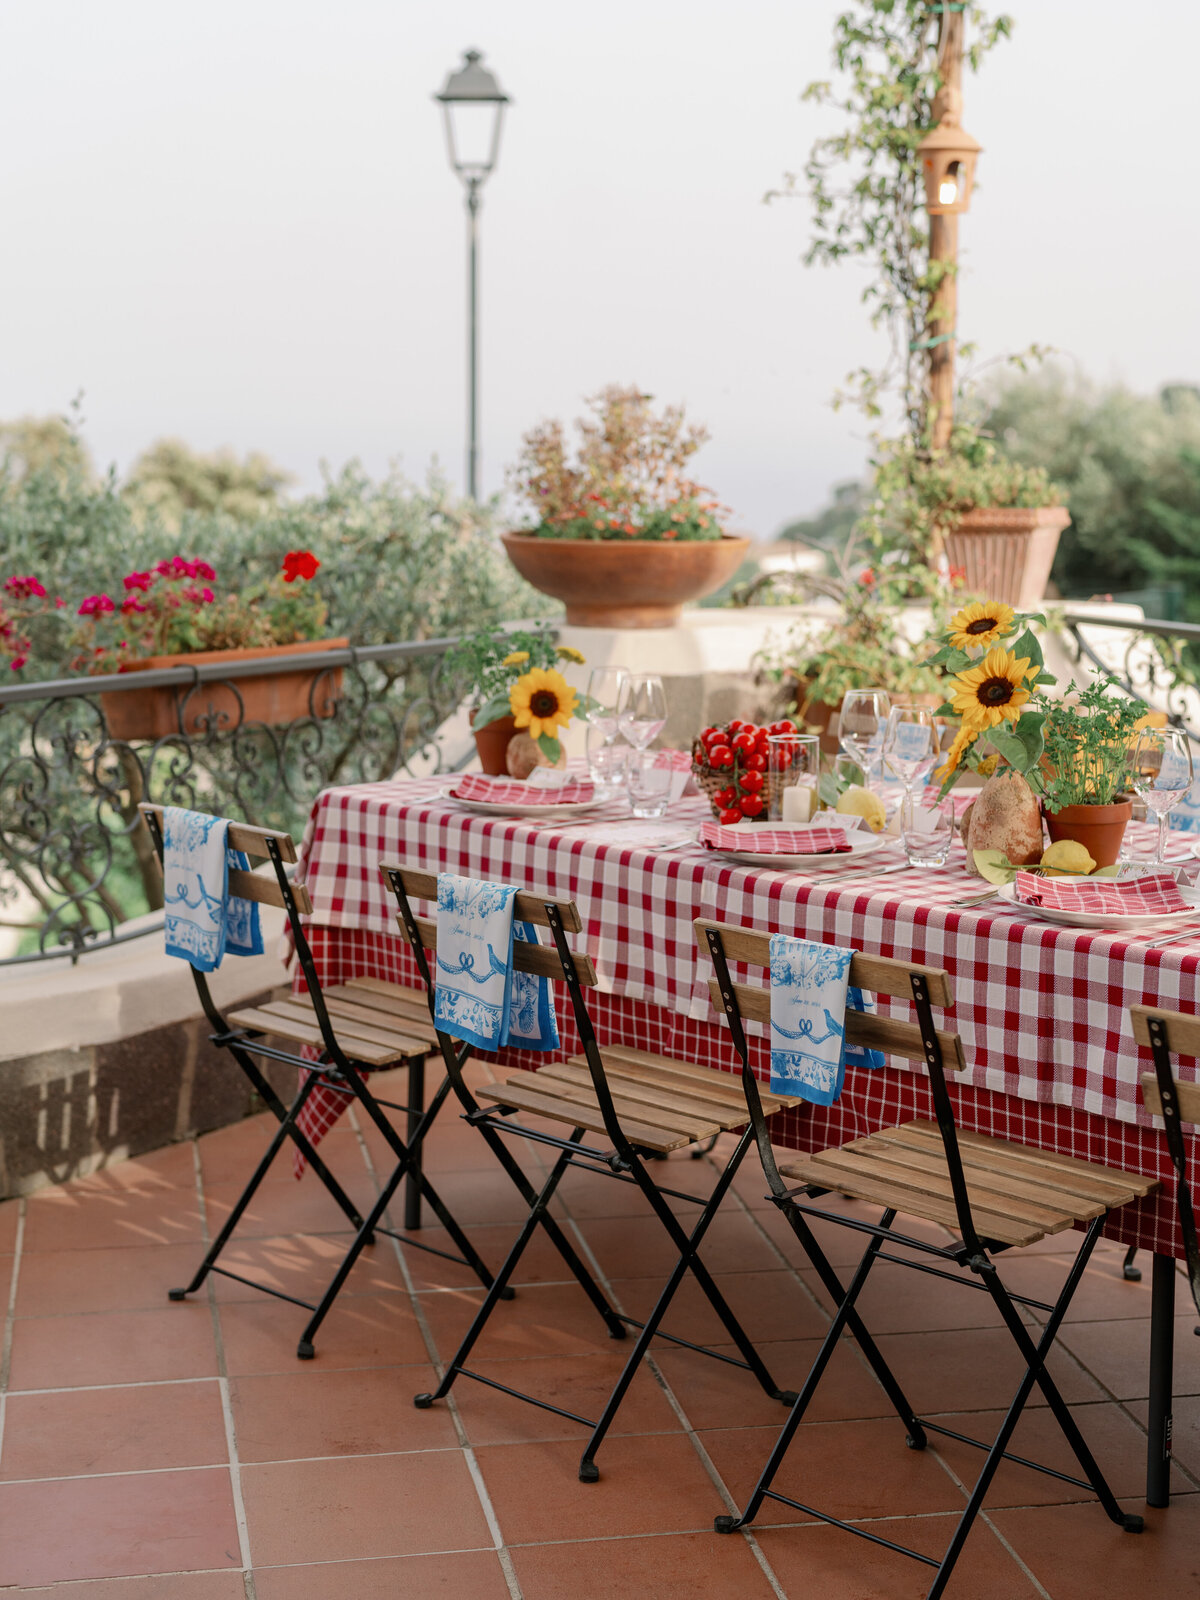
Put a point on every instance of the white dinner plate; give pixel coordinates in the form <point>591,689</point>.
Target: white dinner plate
<point>488,808</point>
<point>1097,919</point>
<point>861,844</point>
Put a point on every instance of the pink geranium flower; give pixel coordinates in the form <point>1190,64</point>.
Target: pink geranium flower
<point>139,580</point>
<point>24,588</point>
<point>97,605</point>
<point>132,606</point>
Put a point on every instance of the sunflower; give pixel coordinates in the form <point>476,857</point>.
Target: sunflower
<point>993,691</point>
<point>980,625</point>
<point>515,659</point>
<point>568,652</point>
<point>962,739</point>
<point>540,701</point>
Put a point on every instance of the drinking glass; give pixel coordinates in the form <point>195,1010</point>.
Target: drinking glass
<point>862,726</point>
<point>649,784</point>
<point>911,744</point>
<point>926,830</point>
<point>607,762</point>
<point>642,709</point>
<point>604,692</point>
<point>793,771</point>
<point>1160,763</point>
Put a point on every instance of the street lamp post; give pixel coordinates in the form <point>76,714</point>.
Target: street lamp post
<point>473,108</point>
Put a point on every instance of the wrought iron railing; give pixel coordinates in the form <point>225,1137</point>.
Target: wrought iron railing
<point>1153,661</point>
<point>76,864</point>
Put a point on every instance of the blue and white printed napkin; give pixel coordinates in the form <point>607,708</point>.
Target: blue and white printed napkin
<point>810,991</point>
<point>203,921</point>
<point>478,997</point>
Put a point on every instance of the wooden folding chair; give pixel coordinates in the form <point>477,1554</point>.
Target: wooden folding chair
<point>992,1193</point>
<point>1173,1033</point>
<point>643,1105</point>
<point>357,1026</point>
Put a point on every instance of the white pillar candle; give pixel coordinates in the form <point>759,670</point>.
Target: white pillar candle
<point>797,803</point>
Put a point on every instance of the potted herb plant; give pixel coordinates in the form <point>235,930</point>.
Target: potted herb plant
<point>516,689</point>
<point>1065,760</point>
<point>620,533</point>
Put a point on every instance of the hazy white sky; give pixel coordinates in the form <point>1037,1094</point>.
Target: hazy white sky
<point>235,222</point>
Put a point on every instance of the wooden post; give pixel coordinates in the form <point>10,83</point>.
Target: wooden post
<point>943,241</point>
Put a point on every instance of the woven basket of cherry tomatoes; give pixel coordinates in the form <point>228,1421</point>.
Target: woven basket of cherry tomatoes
<point>730,767</point>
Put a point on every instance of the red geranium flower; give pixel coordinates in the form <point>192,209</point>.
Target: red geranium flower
<point>299,564</point>
<point>24,588</point>
<point>96,605</point>
<point>138,580</point>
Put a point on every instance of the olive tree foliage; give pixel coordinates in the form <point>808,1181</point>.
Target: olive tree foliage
<point>865,186</point>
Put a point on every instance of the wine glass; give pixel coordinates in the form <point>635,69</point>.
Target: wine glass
<point>1160,764</point>
<point>910,744</point>
<point>861,727</point>
<point>604,695</point>
<point>642,709</point>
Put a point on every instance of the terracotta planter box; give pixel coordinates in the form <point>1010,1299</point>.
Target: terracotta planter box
<point>1007,554</point>
<point>492,742</point>
<point>1099,829</point>
<point>274,698</point>
<point>625,583</point>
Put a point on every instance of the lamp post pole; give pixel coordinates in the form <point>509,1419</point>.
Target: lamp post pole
<point>473,107</point>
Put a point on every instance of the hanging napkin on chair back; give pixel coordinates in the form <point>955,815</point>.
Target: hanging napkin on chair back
<point>203,921</point>
<point>478,996</point>
<point>810,991</point>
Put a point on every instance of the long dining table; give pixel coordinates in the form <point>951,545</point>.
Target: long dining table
<point>1042,1009</point>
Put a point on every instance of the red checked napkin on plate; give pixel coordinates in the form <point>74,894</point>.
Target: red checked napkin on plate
<point>774,841</point>
<point>1153,894</point>
<point>515,792</point>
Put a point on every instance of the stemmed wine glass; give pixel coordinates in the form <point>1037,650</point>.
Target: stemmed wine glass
<point>1160,765</point>
<point>861,728</point>
<point>604,696</point>
<point>911,745</point>
<point>642,709</point>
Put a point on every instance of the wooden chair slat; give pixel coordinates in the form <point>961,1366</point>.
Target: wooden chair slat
<point>577,1115</point>
<point>879,974</point>
<point>348,1028</point>
<point>992,1188</point>
<point>528,907</point>
<point>1133,1185</point>
<point>1188,1093</point>
<point>301,1033</point>
<point>406,1005</point>
<point>409,1029</point>
<point>1183,1032</point>
<point>661,1098</point>
<point>251,841</point>
<point>889,1034</point>
<point>720,1085</point>
<point>860,1186</point>
<point>981,1151</point>
<point>540,959</point>
<point>581,1092</point>
<point>266,891</point>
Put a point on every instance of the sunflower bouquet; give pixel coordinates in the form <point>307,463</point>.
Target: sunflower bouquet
<point>516,675</point>
<point>1070,751</point>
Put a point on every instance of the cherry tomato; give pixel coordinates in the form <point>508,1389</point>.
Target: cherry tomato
<point>743,741</point>
<point>786,726</point>
<point>725,797</point>
<point>751,805</point>
<point>720,755</point>
<point>736,725</point>
<point>756,762</point>
<point>728,818</point>
<point>751,782</point>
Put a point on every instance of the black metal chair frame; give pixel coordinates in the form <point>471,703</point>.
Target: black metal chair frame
<point>626,1164</point>
<point>336,1069</point>
<point>971,1252</point>
<point>1173,1120</point>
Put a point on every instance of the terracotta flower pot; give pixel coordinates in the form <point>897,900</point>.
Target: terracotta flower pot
<point>274,698</point>
<point>1007,554</point>
<point>492,743</point>
<point>624,583</point>
<point>1099,829</point>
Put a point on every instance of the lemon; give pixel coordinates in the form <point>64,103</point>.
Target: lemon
<point>1067,858</point>
<point>859,802</point>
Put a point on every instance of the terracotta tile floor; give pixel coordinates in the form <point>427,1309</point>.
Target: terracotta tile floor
<point>155,1451</point>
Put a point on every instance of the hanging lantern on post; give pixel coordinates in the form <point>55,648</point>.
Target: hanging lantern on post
<point>948,156</point>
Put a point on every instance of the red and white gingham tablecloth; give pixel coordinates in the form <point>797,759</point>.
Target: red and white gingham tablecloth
<point>1043,1010</point>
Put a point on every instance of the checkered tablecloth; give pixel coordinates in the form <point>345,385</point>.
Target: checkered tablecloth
<point>1043,1010</point>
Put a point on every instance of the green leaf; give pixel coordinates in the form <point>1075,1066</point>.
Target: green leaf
<point>994,866</point>
<point>550,747</point>
<point>1027,645</point>
<point>827,789</point>
<point>492,710</point>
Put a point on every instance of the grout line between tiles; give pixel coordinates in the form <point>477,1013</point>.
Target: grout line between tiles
<point>10,1310</point>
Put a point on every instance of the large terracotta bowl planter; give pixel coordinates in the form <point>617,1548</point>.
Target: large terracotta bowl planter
<point>610,583</point>
<point>1099,829</point>
<point>274,698</point>
<point>1007,554</point>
